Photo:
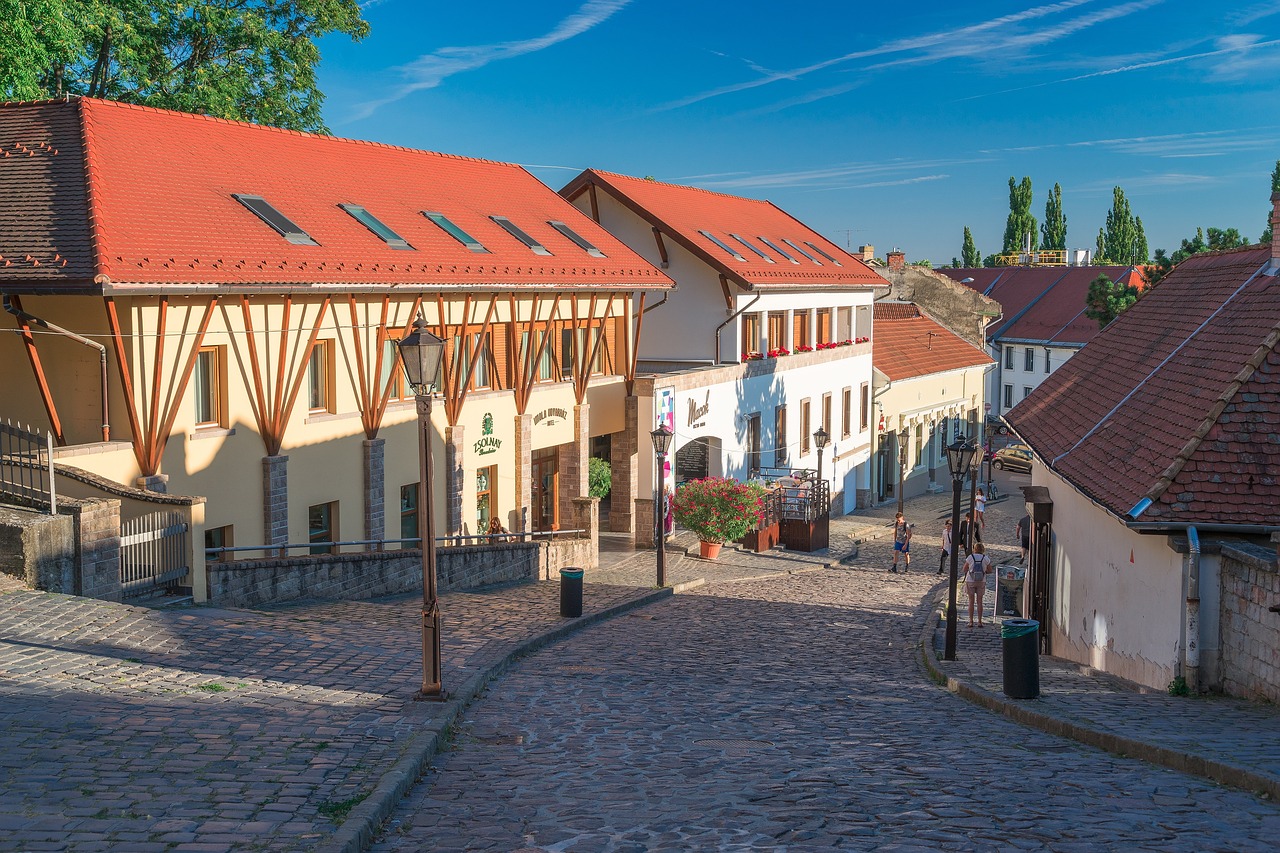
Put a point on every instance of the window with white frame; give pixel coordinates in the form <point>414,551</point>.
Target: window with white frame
<point>1028,359</point>
<point>1008,358</point>
<point>1008,396</point>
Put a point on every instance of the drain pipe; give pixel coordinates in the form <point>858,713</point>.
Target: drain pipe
<point>1191,650</point>
<point>31,319</point>
<point>732,317</point>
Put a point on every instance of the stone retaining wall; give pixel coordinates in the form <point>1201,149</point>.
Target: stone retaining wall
<point>1250,632</point>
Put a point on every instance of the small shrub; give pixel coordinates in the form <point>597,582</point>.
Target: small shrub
<point>1178,687</point>
<point>718,509</point>
<point>599,478</point>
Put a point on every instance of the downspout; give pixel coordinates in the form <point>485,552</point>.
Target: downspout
<point>102,353</point>
<point>732,317</point>
<point>1191,649</point>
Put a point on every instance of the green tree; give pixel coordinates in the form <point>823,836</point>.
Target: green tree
<point>1205,240</point>
<point>1141,251</point>
<point>599,478</point>
<point>1021,225</point>
<point>1275,187</point>
<point>969,255</point>
<point>1122,241</point>
<point>1107,300</point>
<point>253,60</point>
<point>992,260</point>
<point>1054,229</point>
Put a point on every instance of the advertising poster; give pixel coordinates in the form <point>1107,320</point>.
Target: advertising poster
<point>667,416</point>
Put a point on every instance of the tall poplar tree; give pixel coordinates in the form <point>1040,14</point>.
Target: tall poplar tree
<point>969,254</point>
<point>1054,229</point>
<point>1275,187</point>
<point>1122,241</point>
<point>1020,224</point>
<point>253,60</point>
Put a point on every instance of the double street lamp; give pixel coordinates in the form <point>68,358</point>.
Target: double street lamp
<point>661,442</point>
<point>959,459</point>
<point>420,355</point>
<point>821,438</point>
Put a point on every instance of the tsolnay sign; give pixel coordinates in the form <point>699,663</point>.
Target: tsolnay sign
<point>488,443</point>
<point>550,417</point>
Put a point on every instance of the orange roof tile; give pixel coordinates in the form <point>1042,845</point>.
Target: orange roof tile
<point>907,344</point>
<point>685,213</point>
<point>139,196</point>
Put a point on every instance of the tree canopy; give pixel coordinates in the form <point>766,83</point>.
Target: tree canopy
<point>1205,240</point>
<point>252,60</point>
<point>1123,240</point>
<point>969,255</point>
<point>1054,229</point>
<point>1107,300</point>
<point>1021,225</point>
<point>1275,187</point>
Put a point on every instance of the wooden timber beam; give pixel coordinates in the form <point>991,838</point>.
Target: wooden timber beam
<point>126,383</point>
<point>662,247</point>
<point>37,368</point>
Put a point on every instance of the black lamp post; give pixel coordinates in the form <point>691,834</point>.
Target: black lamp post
<point>959,459</point>
<point>420,354</point>
<point>821,438</point>
<point>661,441</point>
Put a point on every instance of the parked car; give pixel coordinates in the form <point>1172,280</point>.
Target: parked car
<point>1015,457</point>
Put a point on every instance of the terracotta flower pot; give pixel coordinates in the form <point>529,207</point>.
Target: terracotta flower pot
<point>710,550</point>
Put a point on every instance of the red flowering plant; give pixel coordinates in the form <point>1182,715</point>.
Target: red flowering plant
<point>752,356</point>
<point>718,509</point>
<point>803,348</point>
<point>774,353</point>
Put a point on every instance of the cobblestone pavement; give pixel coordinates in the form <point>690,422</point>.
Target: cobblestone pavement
<point>787,713</point>
<point>125,728</point>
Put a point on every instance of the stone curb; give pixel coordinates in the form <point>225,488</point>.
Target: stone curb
<point>357,832</point>
<point>1125,747</point>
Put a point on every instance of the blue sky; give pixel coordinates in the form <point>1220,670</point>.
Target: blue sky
<point>894,125</point>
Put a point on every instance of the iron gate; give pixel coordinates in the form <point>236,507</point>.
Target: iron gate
<point>154,553</point>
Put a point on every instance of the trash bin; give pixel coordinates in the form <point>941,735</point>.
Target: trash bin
<point>1021,646</point>
<point>571,592</point>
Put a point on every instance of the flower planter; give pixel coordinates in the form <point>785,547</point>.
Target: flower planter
<point>710,550</point>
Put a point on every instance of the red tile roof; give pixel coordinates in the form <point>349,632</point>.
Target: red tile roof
<point>907,343</point>
<point>138,196</point>
<point>683,213</point>
<point>1042,304</point>
<point>1177,400</point>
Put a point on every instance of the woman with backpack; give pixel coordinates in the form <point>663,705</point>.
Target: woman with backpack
<point>976,568</point>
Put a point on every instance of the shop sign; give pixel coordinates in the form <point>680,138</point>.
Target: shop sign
<point>550,416</point>
<point>698,414</point>
<point>487,443</point>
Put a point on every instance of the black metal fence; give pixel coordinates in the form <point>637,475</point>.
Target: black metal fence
<point>26,467</point>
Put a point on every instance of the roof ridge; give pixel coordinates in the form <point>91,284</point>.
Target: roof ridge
<point>603,172</point>
<point>270,128</point>
<point>101,274</point>
<point>1246,372</point>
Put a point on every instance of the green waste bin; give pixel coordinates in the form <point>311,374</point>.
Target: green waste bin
<point>571,592</point>
<point>1020,641</point>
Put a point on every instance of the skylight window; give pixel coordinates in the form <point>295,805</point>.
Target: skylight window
<point>514,230</point>
<point>775,247</point>
<point>576,238</point>
<point>277,220</point>
<point>368,220</point>
<point>743,241</point>
<point>723,245</point>
<point>455,232</point>
<point>824,254</point>
<point>802,251</point>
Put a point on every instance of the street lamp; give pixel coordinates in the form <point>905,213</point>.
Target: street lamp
<point>661,441</point>
<point>420,354</point>
<point>821,438</point>
<point>959,459</point>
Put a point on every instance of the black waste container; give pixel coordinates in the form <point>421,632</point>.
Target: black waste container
<point>571,592</point>
<point>1020,639</point>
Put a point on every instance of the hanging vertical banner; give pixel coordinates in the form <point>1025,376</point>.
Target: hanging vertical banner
<point>667,418</point>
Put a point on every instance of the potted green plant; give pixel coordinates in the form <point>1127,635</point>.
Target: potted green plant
<point>717,510</point>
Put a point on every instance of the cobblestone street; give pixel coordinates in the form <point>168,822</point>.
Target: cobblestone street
<point>786,713</point>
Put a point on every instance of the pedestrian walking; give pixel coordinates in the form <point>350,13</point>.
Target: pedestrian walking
<point>970,533</point>
<point>946,547</point>
<point>901,543</point>
<point>980,507</point>
<point>976,568</point>
<point>1024,536</point>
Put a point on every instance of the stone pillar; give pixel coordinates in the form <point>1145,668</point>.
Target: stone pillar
<point>154,483</point>
<point>520,521</point>
<point>623,447</point>
<point>375,491</point>
<point>587,511</point>
<point>645,531</point>
<point>275,500</point>
<point>573,462</point>
<point>455,453</point>
<point>97,540</point>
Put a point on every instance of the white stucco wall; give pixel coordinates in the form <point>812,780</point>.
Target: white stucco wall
<point>1018,376</point>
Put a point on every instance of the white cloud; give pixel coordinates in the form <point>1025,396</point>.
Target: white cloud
<point>430,70</point>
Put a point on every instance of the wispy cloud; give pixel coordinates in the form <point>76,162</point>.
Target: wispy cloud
<point>1149,182</point>
<point>983,38</point>
<point>1193,144</point>
<point>919,179</point>
<point>430,70</point>
<point>1250,14</point>
<point>838,176</point>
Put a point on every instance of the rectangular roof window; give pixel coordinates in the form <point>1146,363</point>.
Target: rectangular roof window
<point>576,238</point>
<point>455,232</point>
<point>743,241</point>
<point>714,239</point>
<point>802,251</point>
<point>277,220</point>
<point>775,247</point>
<point>824,254</point>
<point>514,230</point>
<point>368,220</point>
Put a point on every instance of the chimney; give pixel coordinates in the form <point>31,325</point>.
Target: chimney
<point>1275,230</point>
<point>868,253</point>
<point>897,260</point>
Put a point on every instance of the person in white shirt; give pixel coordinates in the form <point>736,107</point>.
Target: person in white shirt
<point>946,547</point>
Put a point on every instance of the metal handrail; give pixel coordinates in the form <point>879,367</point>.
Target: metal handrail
<point>415,540</point>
